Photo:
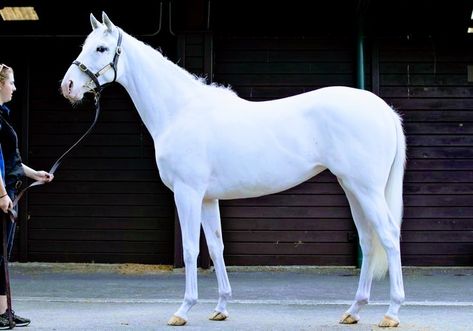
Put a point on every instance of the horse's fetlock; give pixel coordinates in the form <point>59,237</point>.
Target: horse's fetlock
<point>225,294</point>
<point>190,301</point>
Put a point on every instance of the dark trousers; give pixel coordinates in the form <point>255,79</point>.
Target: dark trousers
<point>11,227</point>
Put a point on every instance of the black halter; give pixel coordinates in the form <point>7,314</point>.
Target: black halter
<point>94,77</point>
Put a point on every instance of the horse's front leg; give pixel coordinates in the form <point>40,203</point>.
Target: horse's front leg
<point>213,234</point>
<point>189,204</point>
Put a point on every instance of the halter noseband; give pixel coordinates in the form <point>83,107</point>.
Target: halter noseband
<point>113,65</point>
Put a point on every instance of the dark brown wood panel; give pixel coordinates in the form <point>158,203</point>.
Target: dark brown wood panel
<point>426,81</point>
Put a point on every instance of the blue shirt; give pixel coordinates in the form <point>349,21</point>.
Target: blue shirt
<point>3,109</point>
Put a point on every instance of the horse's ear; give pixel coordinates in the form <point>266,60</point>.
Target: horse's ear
<point>94,22</point>
<point>110,26</point>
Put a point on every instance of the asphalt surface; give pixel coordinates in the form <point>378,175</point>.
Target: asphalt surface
<point>133,297</point>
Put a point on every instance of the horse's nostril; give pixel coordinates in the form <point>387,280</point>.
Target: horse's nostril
<point>70,85</point>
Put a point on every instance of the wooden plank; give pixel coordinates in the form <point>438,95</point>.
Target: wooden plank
<point>244,80</point>
<point>438,188</point>
<point>101,235</point>
<point>288,224</point>
<point>422,79</point>
<point>116,163</point>
<point>255,43</point>
<point>100,223</point>
<point>101,211</point>
<point>441,152</point>
<point>124,199</point>
<point>447,260</point>
<point>288,68</point>
<point>264,56</point>
<point>285,212</point>
<point>298,248</point>
<point>427,236</point>
<point>438,176</point>
<point>427,200</point>
<point>295,237</point>
<point>440,140</point>
<point>111,175</point>
<point>438,212</point>
<point>437,248</point>
<point>451,224</point>
<point>275,260</point>
<point>302,200</point>
<point>99,257</point>
<point>101,247</point>
<point>456,67</point>
<point>439,128</point>
<point>440,164</point>
<point>104,187</point>
<point>425,91</point>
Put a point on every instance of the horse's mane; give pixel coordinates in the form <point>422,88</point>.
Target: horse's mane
<point>202,80</point>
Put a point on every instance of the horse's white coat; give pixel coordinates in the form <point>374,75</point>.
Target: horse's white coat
<point>210,145</point>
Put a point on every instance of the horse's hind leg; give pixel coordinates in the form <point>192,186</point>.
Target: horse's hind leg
<point>213,234</point>
<point>351,316</point>
<point>189,205</point>
<point>389,235</point>
<point>387,230</point>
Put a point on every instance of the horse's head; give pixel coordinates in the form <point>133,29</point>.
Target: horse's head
<point>97,64</point>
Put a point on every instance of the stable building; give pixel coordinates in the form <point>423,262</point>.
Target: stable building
<point>107,203</point>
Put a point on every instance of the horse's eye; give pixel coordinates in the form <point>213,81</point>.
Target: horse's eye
<point>102,49</point>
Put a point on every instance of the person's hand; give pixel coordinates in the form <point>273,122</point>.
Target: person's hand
<point>43,176</point>
<point>5,203</point>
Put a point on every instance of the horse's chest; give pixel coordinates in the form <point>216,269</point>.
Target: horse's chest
<point>181,159</point>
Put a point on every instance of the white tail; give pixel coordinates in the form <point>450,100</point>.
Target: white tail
<point>393,194</point>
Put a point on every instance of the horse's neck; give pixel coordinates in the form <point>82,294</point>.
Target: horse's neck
<point>158,88</point>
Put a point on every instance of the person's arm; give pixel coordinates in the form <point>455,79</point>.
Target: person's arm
<point>5,201</point>
<point>38,175</point>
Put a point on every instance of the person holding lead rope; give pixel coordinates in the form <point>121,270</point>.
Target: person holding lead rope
<point>12,170</point>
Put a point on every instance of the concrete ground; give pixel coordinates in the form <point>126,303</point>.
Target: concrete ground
<point>135,297</point>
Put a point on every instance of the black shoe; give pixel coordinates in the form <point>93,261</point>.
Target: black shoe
<point>4,324</point>
<point>17,320</point>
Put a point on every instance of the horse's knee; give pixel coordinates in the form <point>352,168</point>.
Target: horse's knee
<point>215,251</point>
<point>190,256</point>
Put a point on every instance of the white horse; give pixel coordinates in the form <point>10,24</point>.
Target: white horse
<point>210,145</point>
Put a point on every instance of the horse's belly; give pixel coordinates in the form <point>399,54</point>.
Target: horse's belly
<point>248,182</point>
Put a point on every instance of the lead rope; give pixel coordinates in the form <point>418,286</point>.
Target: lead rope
<point>12,211</point>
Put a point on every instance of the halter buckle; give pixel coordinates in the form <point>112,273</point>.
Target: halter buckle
<point>82,67</point>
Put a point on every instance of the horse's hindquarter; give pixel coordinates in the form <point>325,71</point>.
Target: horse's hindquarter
<point>248,149</point>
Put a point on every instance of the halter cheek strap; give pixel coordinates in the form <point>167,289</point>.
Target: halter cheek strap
<point>112,65</point>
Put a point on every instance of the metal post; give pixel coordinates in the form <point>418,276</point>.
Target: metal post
<point>360,83</point>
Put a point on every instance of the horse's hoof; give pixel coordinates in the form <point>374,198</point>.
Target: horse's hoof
<point>176,321</point>
<point>217,316</point>
<point>348,319</point>
<point>388,322</point>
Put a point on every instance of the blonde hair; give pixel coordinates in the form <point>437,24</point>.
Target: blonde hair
<point>4,72</point>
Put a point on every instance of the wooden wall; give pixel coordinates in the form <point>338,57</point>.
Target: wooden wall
<point>426,81</point>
